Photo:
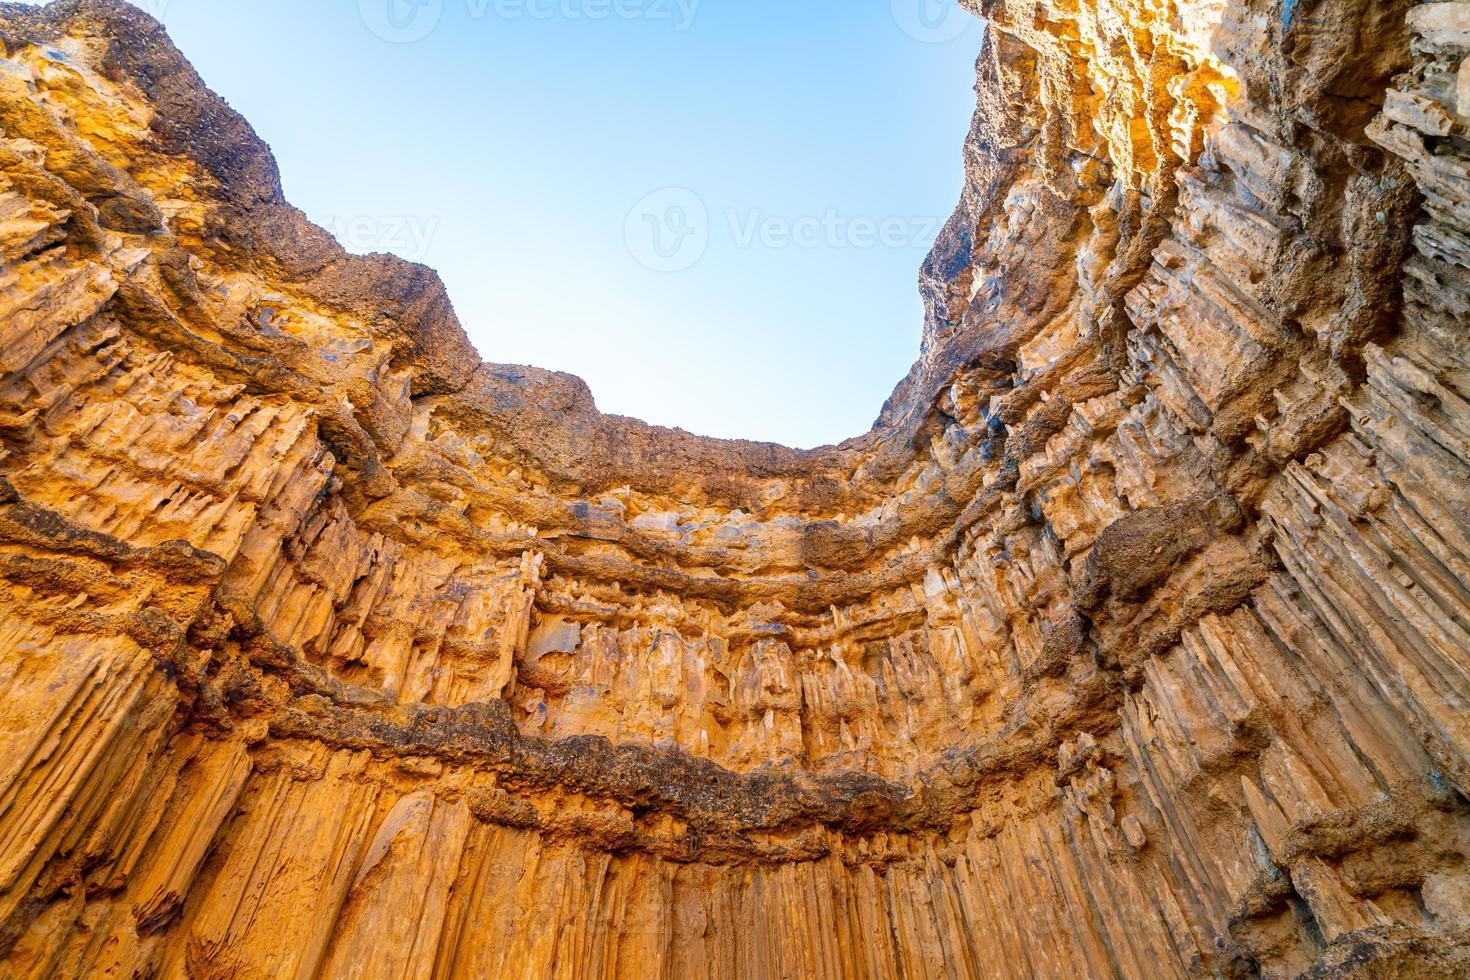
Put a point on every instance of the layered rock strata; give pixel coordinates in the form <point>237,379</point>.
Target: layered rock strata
<point>1133,641</point>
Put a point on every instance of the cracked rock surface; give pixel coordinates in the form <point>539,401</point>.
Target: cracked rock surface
<point>1132,641</point>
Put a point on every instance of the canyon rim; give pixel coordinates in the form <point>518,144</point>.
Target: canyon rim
<point>1133,640</point>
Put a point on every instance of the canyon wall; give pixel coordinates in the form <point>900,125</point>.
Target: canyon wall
<point>1133,641</point>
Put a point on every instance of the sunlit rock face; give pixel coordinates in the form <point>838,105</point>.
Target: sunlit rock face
<point>1133,641</point>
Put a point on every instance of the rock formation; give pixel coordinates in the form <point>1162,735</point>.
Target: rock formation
<point>1133,641</point>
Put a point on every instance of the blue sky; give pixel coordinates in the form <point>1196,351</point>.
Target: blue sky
<point>714,211</point>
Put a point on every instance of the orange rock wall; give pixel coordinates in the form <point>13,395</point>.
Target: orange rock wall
<point>1133,641</point>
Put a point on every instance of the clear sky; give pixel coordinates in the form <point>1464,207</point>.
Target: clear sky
<point>714,211</point>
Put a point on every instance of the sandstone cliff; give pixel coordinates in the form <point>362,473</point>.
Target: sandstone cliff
<point>1134,640</point>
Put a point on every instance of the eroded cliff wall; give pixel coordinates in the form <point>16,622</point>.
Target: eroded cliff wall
<point>1133,641</point>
